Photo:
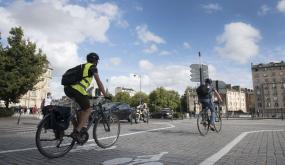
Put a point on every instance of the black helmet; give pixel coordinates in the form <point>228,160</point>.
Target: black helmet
<point>92,57</point>
<point>208,81</point>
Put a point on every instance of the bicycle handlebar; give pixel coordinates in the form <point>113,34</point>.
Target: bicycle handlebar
<point>97,97</point>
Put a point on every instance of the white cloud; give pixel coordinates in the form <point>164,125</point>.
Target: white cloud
<point>229,76</point>
<point>145,65</point>
<point>210,8</point>
<point>151,49</point>
<point>173,77</point>
<point>148,37</point>
<point>187,45</point>
<point>58,27</point>
<point>165,53</point>
<point>115,61</point>
<point>264,9</point>
<point>238,42</point>
<point>281,6</point>
<point>139,8</point>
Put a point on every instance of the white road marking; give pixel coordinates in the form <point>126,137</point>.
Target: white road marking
<point>127,134</point>
<point>91,146</point>
<point>217,156</point>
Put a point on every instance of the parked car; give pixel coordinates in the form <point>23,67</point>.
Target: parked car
<point>165,113</point>
<point>123,110</point>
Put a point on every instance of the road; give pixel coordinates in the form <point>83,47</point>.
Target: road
<point>159,142</point>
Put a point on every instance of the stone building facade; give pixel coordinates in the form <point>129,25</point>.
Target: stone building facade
<point>269,88</point>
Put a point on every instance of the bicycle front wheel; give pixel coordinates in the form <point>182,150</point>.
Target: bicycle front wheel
<point>203,123</point>
<point>52,143</point>
<point>106,130</point>
<point>218,122</point>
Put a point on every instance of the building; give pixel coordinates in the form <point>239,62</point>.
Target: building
<point>35,97</point>
<point>234,98</point>
<point>249,100</point>
<point>122,89</point>
<point>192,101</point>
<point>269,88</point>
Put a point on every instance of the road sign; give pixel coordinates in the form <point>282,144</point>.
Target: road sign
<point>195,68</point>
<point>195,72</point>
<point>195,79</point>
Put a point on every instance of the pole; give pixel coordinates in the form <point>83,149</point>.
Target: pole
<point>200,69</point>
<point>107,80</point>
<point>140,89</point>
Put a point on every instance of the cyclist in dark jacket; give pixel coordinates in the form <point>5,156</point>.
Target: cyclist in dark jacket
<point>207,101</point>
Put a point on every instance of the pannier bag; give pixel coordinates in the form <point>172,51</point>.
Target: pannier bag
<point>59,117</point>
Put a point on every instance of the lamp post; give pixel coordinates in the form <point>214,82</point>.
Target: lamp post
<point>140,77</point>
<point>107,81</point>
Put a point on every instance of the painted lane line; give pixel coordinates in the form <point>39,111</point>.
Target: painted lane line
<point>127,134</point>
<point>217,156</point>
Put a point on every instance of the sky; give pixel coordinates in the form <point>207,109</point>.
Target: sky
<point>155,40</point>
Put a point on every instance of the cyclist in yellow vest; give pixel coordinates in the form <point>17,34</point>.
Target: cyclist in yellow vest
<point>78,91</point>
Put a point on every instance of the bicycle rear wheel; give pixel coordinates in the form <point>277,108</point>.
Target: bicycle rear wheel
<point>106,130</point>
<point>218,122</point>
<point>203,123</point>
<point>52,143</point>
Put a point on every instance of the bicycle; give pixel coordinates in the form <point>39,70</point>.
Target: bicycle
<point>203,120</point>
<point>53,143</point>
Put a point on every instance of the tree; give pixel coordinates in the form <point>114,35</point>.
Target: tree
<point>21,66</point>
<point>135,100</point>
<point>122,97</point>
<point>162,98</point>
<point>184,99</point>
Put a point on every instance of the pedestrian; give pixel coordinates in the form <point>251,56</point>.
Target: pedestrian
<point>34,109</point>
<point>46,103</point>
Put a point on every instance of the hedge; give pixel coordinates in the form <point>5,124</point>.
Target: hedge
<point>6,112</point>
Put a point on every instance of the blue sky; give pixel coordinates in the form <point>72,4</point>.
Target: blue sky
<point>156,39</point>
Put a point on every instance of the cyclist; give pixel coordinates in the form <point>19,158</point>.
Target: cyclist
<point>79,94</point>
<point>207,100</point>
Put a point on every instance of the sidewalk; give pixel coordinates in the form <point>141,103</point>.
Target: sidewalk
<point>25,120</point>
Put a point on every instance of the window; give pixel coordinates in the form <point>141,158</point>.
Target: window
<point>274,85</point>
<point>273,73</point>
<point>33,94</point>
<point>276,104</point>
<point>266,80</point>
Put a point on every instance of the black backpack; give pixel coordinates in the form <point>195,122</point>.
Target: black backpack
<point>203,91</point>
<point>73,75</point>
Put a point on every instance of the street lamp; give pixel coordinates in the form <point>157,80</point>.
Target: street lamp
<point>107,81</point>
<point>140,77</point>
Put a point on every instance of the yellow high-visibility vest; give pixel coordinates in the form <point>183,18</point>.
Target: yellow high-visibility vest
<point>85,82</point>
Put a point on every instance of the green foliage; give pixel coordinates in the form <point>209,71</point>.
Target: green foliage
<point>21,66</point>
<point>177,115</point>
<point>135,100</point>
<point>6,112</point>
<point>162,98</point>
<point>123,97</point>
